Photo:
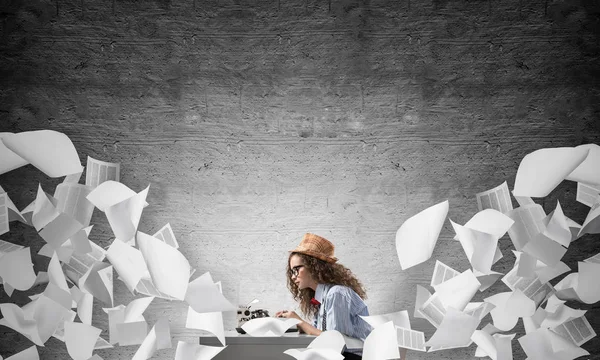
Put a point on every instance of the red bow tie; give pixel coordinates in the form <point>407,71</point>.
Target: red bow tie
<point>315,302</point>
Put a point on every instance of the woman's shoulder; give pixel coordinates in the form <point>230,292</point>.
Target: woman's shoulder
<point>341,290</point>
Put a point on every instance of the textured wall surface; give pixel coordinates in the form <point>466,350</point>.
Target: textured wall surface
<point>256,121</point>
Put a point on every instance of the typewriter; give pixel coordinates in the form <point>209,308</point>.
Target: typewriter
<point>244,313</point>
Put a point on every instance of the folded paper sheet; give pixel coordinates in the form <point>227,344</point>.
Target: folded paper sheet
<point>417,236</point>
<point>169,269</point>
<point>455,330</point>
<point>542,170</point>
<point>158,338</point>
<point>80,340</point>
<point>382,343</point>
<point>50,151</point>
<point>268,326</point>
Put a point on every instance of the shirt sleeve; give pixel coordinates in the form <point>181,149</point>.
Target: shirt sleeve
<point>339,313</point>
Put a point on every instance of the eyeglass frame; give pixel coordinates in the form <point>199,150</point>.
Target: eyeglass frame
<point>294,271</point>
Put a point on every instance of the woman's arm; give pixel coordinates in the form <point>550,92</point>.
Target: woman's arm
<point>308,328</point>
<point>302,325</point>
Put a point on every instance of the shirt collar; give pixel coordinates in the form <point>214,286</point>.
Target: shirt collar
<point>321,291</point>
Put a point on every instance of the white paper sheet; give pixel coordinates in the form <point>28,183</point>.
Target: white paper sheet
<point>382,343</point>
<point>10,160</point>
<point>417,236</point>
<point>524,200</point>
<point>479,247</point>
<point>561,314</point>
<point>490,221</point>
<point>166,235</point>
<point>85,304</point>
<point>329,339</point>
<point>578,330</point>
<point>27,354</point>
<point>547,273</point>
<point>587,171</point>
<point>501,314</point>
<point>209,321</point>
<point>13,212</point>
<point>98,281</point>
<point>478,309</point>
<point>109,193</point>
<point>128,262</point>
<point>124,217</point>
<point>399,318</point>
<point>79,264</point>
<point>44,209</point>
<point>542,170</point>
<point>147,287</point>
<point>204,295</point>
<point>432,310</point>
<point>533,288</point>
<point>528,222</point>
<point>497,198</point>
<point>587,194</point>
<point>158,338</point>
<point>187,351</point>
<point>81,243</point>
<point>456,329</point>
<point>80,339</point>
<point>547,345</point>
<point>557,227</point>
<point>50,151</point>
<point>458,291</point>
<point>422,296</point>
<point>268,326</point>
<point>545,249</point>
<point>132,333</point>
<point>72,200</point>
<point>59,230</point>
<point>4,227</point>
<point>16,269</point>
<point>6,247</point>
<point>591,225</point>
<point>593,259</point>
<point>487,280</point>
<point>98,171</point>
<point>519,305</point>
<point>587,286</point>
<point>15,318</point>
<point>441,273</point>
<point>169,269</point>
<point>410,339</point>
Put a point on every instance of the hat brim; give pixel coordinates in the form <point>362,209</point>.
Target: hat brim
<point>301,250</point>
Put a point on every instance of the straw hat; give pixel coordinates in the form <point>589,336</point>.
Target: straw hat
<point>316,246</point>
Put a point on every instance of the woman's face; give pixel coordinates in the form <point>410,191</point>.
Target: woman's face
<point>300,274</point>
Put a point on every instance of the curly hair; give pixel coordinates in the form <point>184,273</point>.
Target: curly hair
<point>324,273</point>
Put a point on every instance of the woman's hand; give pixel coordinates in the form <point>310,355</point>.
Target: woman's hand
<point>288,314</point>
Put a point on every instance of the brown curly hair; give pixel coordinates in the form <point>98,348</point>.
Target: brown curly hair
<point>324,273</point>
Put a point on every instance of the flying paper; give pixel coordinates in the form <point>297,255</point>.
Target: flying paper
<point>417,236</point>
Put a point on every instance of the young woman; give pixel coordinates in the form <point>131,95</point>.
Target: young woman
<point>327,291</point>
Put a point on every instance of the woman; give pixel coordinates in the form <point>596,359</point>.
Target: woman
<point>327,291</point>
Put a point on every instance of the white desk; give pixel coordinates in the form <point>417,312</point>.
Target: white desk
<point>246,347</point>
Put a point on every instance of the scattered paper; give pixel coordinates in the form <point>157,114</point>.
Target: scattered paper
<point>417,236</point>
<point>479,247</point>
<point>382,343</point>
<point>497,198</point>
<point>78,264</point>
<point>529,221</point>
<point>441,273</point>
<point>169,269</point>
<point>132,333</point>
<point>158,338</point>
<point>545,249</point>
<point>166,235</point>
<point>587,194</point>
<point>208,321</point>
<point>533,288</point>
<point>398,318</point>
<point>4,228</point>
<point>591,225</point>
<point>542,170</point>
<point>329,339</point>
<point>545,344</point>
<point>578,330</point>
<point>98,281</point>
<point>16,269</point>
<point>422,296</point>
<point>80,340</point>
<point>124,216</point>
<point>587,171</point>
<point>458,291</point>
<point>98,172</point>
<point>490,221</point>
<point>72,200</point>
<point>268,326</point>
<point>27,354</point>
<point>50,151</point>
<point>519,305</point>
<point>503,317</point>
<point>10,160</point>
<point>128,262</point>
<point>455,330</point>
<point>410,339</point>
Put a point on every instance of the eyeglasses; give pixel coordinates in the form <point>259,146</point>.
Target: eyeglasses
<point>294,271</point>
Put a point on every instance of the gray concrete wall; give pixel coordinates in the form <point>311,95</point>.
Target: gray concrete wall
<point>256,121</point>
